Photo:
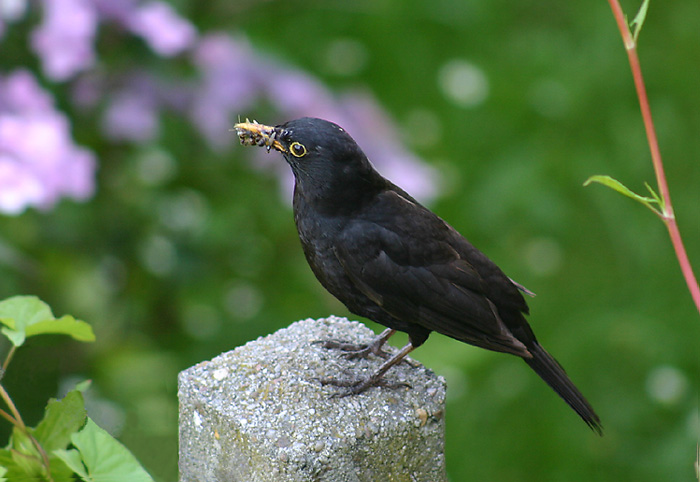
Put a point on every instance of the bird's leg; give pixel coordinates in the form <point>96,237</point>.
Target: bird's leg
<point>354,350</point>
<point>359,386</point>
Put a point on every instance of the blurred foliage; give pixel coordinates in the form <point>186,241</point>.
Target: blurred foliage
<point>184,252</point>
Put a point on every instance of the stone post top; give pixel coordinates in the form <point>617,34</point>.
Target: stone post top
<point>260,412</point>
<point>280,375</point>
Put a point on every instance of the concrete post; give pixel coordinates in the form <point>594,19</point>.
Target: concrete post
<point>259,413</point>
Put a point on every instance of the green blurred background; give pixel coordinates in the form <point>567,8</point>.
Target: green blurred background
<point>175,267</point>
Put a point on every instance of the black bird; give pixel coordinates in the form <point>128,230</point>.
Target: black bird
<point>389,259</point>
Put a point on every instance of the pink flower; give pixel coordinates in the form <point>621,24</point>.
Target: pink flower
<point>131,117</point>
<point>229,84</point>
<point>162,28</point>
<point>39,163</point>
<point>64,40</point>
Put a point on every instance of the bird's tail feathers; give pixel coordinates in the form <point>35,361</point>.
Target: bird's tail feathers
<point>555,376</point>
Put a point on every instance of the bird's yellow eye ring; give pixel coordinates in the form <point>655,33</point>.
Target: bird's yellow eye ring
<point>297,149</point>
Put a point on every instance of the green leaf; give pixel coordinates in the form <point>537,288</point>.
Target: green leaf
<point>9,322</point>
<point>8,466</point>
<point>5,457</point>
<point>66,325</point>
<point>16,337</point>
<point>83,386</point>
<point>25,454</point>
<point>73,460</point>
<point>24,309</point>
<point>25,316</point>
<point>22,459</point>
<point>638,21</point>
<point>659,201</point>
<point>63,418</point>
<point>622,189</point>
<point>101,457</point>
<point>60,472</point>
<point>18,312</point>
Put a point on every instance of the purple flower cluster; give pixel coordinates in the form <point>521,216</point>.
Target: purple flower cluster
<point>162,28</point>
<point>231,79</point>
<point>64,41</point>
<point>235,77</point>
<point>39,163</point>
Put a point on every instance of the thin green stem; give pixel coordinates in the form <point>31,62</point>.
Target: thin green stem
<point>16,420</point>
<point>8,358</point>
<point>44,456</point>
<point>7,417</point>
<point>667,216</point>
<point>10,404</point>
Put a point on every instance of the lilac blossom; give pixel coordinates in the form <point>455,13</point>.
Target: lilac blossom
<point>64,40</point>
<point>132,112</point>
<point>130,117</point>
<point>39,163</point>
<point>297,94</point>
<point>232,79</point>
<point>229,83</point>
<point>119,11</point>
<point>294,93</point>
<point>162,28</point>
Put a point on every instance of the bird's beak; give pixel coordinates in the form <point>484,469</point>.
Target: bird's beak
<point>254,134</point>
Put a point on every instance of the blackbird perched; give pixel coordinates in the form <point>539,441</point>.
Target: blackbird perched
<point>390,259</point>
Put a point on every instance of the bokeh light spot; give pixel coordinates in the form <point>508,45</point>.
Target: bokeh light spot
<point>463,83</point>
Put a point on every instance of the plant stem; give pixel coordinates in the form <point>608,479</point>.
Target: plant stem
<point>16,420</point>
<point>8,358</point>
<point>10,404</point>
<point>8,417</point>
<point>668,216</point>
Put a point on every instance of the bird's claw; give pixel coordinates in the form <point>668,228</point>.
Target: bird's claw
<point>354,351</point>
<point>355,387</point>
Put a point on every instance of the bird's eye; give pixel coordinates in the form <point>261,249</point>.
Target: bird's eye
<point>297,150</point>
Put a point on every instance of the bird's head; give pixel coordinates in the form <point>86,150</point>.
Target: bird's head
<point>322,155</point>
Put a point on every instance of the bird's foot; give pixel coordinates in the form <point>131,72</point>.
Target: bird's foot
<point>355,387</point>
<point>354,351</point>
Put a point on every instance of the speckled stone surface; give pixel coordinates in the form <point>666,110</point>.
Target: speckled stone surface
<point>259,413</point>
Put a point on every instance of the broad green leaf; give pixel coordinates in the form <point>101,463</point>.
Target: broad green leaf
<point>13,473</point>
<point>25,454</point>
<point>73,460</point>
<point>60,472</point>
<point>15,336</point>
<point>25,316</point>
<point>103,457</point>
<point>18,312</point>
<point>25,310</point>
<point>66,325</point>
<point>622,189</point>
<point>63,418</point>
<point>7,466</point>
<point>10,471</point>
<point>9,322</point>
<point>5,457</point>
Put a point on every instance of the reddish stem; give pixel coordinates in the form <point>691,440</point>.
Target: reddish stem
<point>667,208</point>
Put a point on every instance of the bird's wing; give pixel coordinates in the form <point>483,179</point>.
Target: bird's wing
<point>413,271</point>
